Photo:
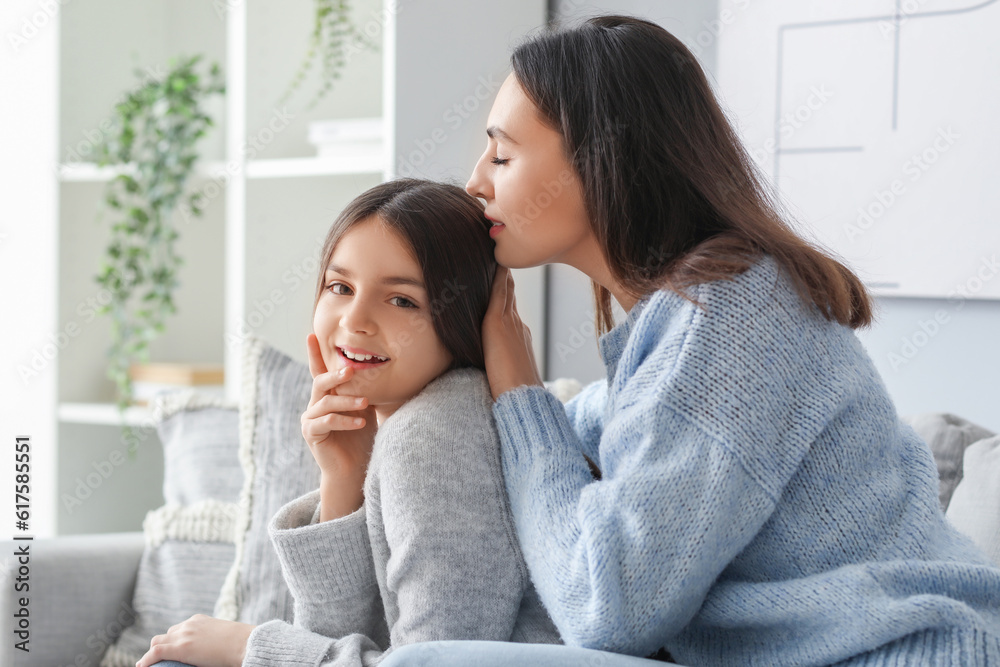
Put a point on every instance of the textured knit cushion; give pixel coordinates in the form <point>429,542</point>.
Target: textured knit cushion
<point>975,505</point>
<point>278,468</point>
<point>564,388</point>
<point>948,436</point>
<point>189,541</point>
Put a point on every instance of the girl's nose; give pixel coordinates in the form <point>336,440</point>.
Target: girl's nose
<point>358,318</point>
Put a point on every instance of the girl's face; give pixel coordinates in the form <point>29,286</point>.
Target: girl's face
<point>532,192</point>
<point>374,315</point>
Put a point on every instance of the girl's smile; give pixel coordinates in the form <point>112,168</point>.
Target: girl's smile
<point>375,317</point>
<point>360,359</point>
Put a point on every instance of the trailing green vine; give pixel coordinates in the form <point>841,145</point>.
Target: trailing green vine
<point>332,34</point>
<point>156,128</point>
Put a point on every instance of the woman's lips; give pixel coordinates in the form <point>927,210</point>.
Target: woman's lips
<point>496,227</point>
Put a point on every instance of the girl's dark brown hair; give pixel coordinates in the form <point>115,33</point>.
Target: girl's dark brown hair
<point>448,235</point>
<point>672,195</point>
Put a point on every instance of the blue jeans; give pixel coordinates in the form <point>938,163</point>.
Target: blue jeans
<point>506,654</point>
<point>494,654</point>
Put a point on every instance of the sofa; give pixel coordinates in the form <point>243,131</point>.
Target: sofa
<point>96,599</point>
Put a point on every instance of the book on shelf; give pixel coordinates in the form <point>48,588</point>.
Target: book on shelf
<point>347,137</point>
<point>148,380</point>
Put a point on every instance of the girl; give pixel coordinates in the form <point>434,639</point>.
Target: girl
<point>760,502</point>
<point>409,537</point>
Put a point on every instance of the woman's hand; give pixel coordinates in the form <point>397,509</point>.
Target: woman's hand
<point>510,359</point>
<point>340,432</point>
<point>201,640</point>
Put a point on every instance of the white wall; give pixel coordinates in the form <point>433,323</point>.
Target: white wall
<point>570,340</point>
<point>28,255</point>
<point>689,20</point>
<point>939,355</point>
<point>935,355</point>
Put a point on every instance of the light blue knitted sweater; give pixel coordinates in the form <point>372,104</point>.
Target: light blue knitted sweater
<point>761,503</point>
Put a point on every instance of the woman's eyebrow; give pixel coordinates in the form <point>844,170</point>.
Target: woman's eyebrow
<point>493,132</point>
<point>387,280</point>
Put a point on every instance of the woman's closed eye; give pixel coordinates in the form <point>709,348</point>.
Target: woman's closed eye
<point>499,161</point>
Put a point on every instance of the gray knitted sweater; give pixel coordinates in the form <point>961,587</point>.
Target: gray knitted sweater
<point>431,555</point>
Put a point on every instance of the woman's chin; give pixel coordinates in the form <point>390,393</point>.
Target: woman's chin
<point>512,260</point>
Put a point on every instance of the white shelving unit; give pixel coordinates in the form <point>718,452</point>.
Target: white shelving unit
<point>314,166</point>
<point>101,414</point>
<point>251,260</point>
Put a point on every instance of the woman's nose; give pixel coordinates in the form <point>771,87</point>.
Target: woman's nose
<point>479,185</point>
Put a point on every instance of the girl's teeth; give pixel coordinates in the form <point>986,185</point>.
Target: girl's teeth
<point>361,357</point>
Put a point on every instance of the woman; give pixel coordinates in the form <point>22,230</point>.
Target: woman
<point>759,501</point>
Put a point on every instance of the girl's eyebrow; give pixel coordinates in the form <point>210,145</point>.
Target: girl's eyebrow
<point>387,280</point>
<point>493,132</point>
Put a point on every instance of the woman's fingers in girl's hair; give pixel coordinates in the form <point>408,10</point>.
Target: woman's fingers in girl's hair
<point>510,300</point>
<point>507,350</point>
<point>503,303</point>
<point>500,296</point>
<point>496,293</point>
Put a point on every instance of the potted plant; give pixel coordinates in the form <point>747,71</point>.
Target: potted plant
<point>332,34</point>
<point>157,126</point>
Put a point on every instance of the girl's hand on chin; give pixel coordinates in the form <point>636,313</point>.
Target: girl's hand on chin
<point>201,640</point>
<point>340,432</point>
<point>510,359</point>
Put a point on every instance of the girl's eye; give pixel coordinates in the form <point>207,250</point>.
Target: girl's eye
<point>339,288</point>
<point>402,302</point>
<point>499,161</point>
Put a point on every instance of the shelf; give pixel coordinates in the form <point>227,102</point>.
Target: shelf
<point>89,172</point>
<point>315,166</point>
<point>104,413</point>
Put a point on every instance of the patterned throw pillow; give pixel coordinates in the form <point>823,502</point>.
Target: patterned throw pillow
<point>948,436</point>
<point>278,468</point>
<point>189,541</point>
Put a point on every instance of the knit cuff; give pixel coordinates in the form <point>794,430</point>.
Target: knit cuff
<point>279,643</point>
<point>530,421</point>
<point>324,561</point>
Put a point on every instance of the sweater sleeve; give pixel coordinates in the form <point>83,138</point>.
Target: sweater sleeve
<point>585,412</point>
<point>454,570</point>
<point>329,571</point>
<point>623,562</point>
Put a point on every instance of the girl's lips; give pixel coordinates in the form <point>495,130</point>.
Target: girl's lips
<point>358,365</point>
<point>496,229</point>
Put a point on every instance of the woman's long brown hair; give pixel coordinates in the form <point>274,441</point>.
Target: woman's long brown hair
<point>672,195</point>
